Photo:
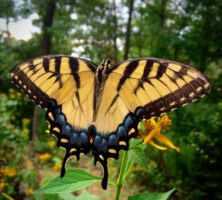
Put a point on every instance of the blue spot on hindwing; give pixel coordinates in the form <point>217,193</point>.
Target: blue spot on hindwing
<point>138,112</point>
<point>61,119</point>
<point>100,144</point>
<point>84,138</point>
<point>103,146</point>
<point>112,140</point>
<point>121,132</point>
<point>97,141</point>
<point>52,103</point>
<point>75,139</point>
<point>67,130</point>
<point>56,112</point>
<point>128,122</point>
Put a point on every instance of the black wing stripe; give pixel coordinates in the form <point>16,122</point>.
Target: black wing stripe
<point>46,64</point>
<point>147,69</point>
<point>146,72</point>
<point>91,66</point>
<point>112,103</point>
<point>74,67</point>
<point>161,70</point>
<point>58,78</point>
<point>127,72</point>
<point>57,65</point>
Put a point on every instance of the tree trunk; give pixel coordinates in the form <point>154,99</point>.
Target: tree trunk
<point>115,33</point>
<point>46,32</point>
<point>47,24</point>
<point>162,13</point>
<point>128,31</point>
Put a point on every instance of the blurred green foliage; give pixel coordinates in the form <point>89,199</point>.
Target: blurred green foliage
<point>186,31</point>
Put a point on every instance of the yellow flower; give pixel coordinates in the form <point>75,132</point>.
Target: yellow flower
<point>3,185</point>
<point>2,95</point>
<point>8,172</point>
<point>30,191</point>
<point>51,143</point>
<point>19,94</point>
<point>12,96</point>
<point>25,130</point>
<point>13,117</point>
<point>138,167</point>
<point>112,169</point>
<point>45,157</point>
<point>48,130</point>
<point>11,90</point>
<point>26,121</point>
<point>152,129</point>
<point>57,166</point>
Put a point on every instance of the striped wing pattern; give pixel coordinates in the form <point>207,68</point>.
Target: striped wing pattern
<point>68,80</point>
<point>157,86</point>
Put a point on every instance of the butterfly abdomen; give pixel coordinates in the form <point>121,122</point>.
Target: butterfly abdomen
<point>99,85</point>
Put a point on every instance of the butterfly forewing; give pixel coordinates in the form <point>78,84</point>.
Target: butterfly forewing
<point>156,85</point>
<point>66,79</point>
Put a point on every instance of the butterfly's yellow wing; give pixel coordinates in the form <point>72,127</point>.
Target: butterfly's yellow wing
<point>155,85</point>
<point>68,80</point>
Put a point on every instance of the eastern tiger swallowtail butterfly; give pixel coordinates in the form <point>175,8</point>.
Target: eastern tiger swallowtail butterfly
<point>98,108</point>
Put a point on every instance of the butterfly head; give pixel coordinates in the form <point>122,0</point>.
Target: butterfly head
<point>104,65</point>
<point>102,69</point>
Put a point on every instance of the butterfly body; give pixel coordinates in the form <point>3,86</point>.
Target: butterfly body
<point>100,79</point>
<point>98,108</point>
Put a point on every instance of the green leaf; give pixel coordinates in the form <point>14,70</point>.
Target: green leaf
<point>67,196</point>
<point>84,195</point>
<point>74,179</point>
<point>138,156</point>
<point>134,143</point>
<point>142,126</point>
<point>152,196</point>
<point>57,160</point>
<point>46,197</point>
<point>128,166</point>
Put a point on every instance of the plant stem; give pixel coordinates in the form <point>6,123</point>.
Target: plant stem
<point>121,174</point>
<point>119,187</point>
<point>7,196</point>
